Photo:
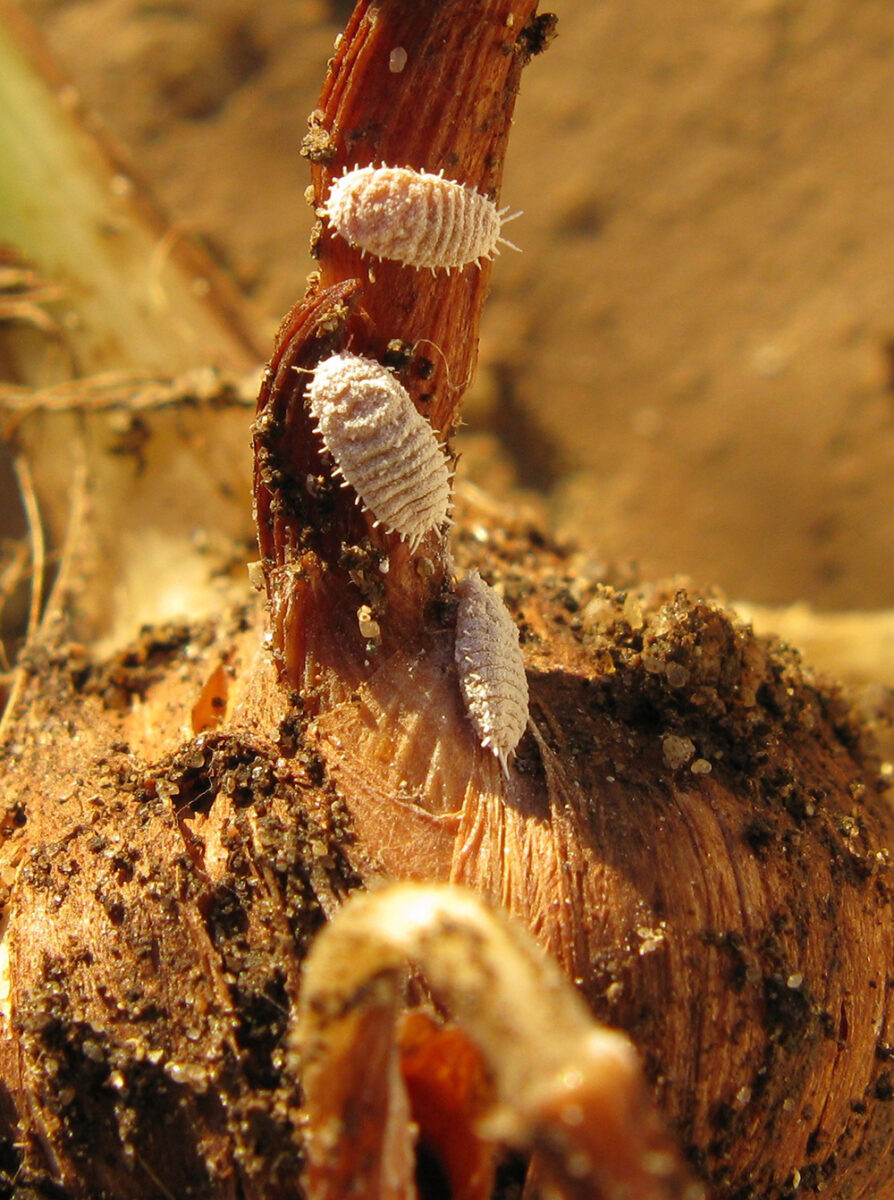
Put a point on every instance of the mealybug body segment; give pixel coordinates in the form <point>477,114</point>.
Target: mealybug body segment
<point>415,217</point>
<point>385,450</point>
<point>491,669</point>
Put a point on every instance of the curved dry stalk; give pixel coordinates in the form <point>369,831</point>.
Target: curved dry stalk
<point>38,566</point>
<point>127,392</point>
<point>41,615</point>
<point>38,544</point>
<point>13,571</point>
<point>563,1085</point>
<point>139,301</point>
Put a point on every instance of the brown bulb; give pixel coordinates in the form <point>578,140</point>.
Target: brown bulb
<point>691,826</point>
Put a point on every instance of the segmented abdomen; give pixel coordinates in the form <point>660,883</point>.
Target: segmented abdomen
<point>383,447</point>
<point>491,668</point>
<point>415,217</point>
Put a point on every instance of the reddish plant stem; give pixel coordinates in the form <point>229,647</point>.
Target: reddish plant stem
<point>449,107</point>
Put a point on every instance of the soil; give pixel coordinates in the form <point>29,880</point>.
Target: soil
<point>693,357</point>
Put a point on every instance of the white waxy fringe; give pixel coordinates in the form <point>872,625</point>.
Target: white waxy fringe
<point>417,218</point>
<point>491,668</point>
<point>385,450</point>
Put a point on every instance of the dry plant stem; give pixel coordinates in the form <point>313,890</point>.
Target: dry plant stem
<point>38,568</point>
<point>449,108</point>
<point>38,547</point>
<point>299,541</point>
<point>126,392</point>
<point>72,206</point>
<point>14,569</point>
<point>562,1084</point>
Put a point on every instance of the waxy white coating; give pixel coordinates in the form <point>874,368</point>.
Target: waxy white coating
<point>491,668</point>
<point>385,450</point>
<point>414,217</point>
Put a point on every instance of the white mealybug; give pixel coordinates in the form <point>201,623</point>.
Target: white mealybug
<point>491,669</point>
<point>385,450</point>
<point>417,218</point>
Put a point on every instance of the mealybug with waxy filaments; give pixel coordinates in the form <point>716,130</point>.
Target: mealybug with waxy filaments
<point>414,217</point>
<point>381,445</point>
<point>491,668</point>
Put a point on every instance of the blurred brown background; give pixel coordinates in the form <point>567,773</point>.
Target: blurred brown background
<point>693,357</point>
